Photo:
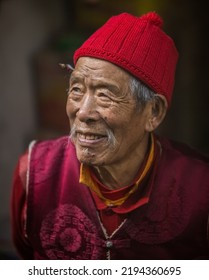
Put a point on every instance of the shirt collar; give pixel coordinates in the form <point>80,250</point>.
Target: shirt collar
<point>88,178</point>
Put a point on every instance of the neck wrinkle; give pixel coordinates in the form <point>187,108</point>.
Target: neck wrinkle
<point>116,178</point>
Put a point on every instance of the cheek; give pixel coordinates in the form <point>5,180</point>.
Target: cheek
<point>117,117</point>
<point>71,108</point>
<point>117,124</point>
<point>111,119</point>
<point>126,125</point>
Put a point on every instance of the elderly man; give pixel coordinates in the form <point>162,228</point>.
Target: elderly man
<point>114,190</point>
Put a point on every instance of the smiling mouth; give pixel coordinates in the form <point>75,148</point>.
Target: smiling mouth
<point>89,138</point>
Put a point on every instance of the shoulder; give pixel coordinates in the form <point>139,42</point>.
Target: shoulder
<point>51,157</point>
<point>50,153</point>
<point>183,163</point>
<point>59,143</point>
<point>185,172</point>
<point>41,149</point>
<point>179,150</point>
<point>50,148</point>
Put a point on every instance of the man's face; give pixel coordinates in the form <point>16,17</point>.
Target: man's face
<point>107,127</point>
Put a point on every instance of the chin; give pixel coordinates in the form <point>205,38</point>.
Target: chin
<point>91,162</point>
<point>87,157</point>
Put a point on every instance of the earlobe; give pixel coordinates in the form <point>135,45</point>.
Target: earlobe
<point>158,109</point>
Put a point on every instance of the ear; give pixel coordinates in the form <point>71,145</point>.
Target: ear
<point>157,111</point>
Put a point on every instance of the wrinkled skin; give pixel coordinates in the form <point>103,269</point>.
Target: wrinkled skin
<point>100,100</point>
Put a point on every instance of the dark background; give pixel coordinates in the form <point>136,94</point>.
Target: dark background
<point>35,35</point>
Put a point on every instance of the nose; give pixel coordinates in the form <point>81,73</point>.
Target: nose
<point>88,109</point>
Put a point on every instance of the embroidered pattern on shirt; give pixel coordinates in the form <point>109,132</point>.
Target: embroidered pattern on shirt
<point>67,233</point>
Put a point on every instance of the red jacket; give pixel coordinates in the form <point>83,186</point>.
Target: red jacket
<point>62,221</point>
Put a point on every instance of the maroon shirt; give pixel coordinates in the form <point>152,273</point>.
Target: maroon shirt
<point>62,221</point>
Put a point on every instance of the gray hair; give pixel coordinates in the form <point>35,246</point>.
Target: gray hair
<point>141,92</point>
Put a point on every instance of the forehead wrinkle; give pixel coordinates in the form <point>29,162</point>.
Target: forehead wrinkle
<point>81,73</point>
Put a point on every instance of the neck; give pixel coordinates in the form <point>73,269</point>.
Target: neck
<point>123,173</point>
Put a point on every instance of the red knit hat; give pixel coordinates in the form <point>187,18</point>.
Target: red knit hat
<point>138,45</point>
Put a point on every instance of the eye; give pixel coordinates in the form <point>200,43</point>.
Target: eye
<point>76,89</point>
<point>75,92</point>
<point>104,99</point>
<point>103,96</point>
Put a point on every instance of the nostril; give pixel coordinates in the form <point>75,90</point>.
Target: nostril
<point>86,116</point>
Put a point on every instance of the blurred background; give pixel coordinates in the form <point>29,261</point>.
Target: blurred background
<point>35,35</point>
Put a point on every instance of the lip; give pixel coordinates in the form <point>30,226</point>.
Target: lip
<point>90,138</point>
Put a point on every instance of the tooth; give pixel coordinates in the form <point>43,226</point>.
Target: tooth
<point>89,136</point>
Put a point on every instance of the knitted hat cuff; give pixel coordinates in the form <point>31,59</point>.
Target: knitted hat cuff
<point>121,62</point>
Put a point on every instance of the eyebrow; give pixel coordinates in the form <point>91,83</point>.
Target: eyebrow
<point>75,79</point>
<point>96,84</point>
<point>109,86</point>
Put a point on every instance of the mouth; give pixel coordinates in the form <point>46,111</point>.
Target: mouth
<point>89,139</point>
